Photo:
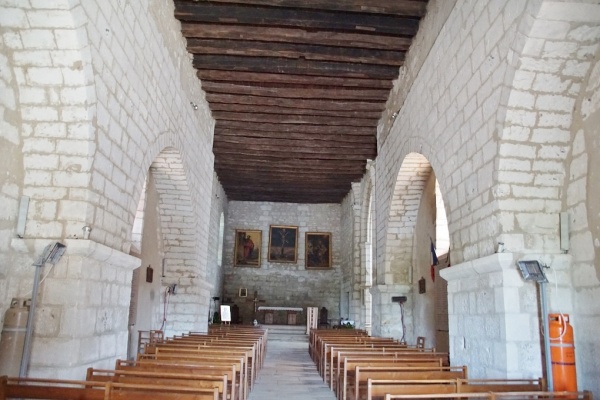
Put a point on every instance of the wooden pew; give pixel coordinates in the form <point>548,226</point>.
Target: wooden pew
<point>217,349</point>
<point>396,352</point>
<point>236,389</point>
<point>585,395</point>
<point>29,388</point>
<point>208,358</point>
<point>161,378</point>
<point>393,355</point>
<point>357,387</point>
<point>378,389</point>
<point>57,389</point>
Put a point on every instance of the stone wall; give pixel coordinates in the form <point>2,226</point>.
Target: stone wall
<point>283,284</point>
<point>497,124</point>
<point>95,91</point>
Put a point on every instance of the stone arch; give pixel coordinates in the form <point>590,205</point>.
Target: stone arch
<point>182,275</point>
<point>412,177</point>
<point>365,240</point>
<point>535,140</point>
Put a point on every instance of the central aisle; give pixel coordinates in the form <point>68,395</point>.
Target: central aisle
<point>289,374</point>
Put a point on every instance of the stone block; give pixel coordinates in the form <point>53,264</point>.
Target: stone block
<point>39,113</point>
<point>518,327</point>
<point>13,18</point>
<point>70,179</point>
<point>44,76</point>
<point>55,352</point>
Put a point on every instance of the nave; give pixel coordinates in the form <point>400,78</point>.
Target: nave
<point>289,373</point>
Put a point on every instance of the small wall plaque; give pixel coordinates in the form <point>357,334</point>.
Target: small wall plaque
<point>149,274</point>
<point>422,288</point>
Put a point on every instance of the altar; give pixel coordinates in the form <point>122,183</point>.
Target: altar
<point>277,316</point>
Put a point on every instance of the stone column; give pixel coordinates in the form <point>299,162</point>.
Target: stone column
<point>82,309</point>
<point>387,321</point>
<point>493,318</point>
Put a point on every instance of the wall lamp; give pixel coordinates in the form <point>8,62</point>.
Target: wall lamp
<point>194,105</point>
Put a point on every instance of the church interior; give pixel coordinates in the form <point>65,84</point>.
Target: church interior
<point>409,168</point>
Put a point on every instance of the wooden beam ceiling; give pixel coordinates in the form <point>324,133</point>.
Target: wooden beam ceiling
<point>296,88</point>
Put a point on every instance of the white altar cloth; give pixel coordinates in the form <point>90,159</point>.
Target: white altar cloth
<point>266,308</point>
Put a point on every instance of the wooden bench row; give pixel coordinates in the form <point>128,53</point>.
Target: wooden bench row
<point>356,367</point>
<point>218,365</point>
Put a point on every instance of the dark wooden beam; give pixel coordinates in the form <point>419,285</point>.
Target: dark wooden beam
<point>272,34</point>
<point>292,66</point>
<point>243,108</point>
<point>356,140</point>
<point>294,119</point>
<point>289,79</point>
<point>415,8</point>
<point>295,51</point>
<point>209,12</point>
<point>298,128</point>
<point>289,143</point>
<point>275,153</point>
<point>377,95</point>
<point>312,104</point>
<point>232,160</point>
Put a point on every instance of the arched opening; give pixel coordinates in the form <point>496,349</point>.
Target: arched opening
<point>163,237</point>
<point>417,218</point>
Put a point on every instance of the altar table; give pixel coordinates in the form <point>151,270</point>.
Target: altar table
<point>291,314</point>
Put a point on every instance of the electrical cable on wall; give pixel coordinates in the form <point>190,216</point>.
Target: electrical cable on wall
<point>166,303</point>
<point>403,339</point>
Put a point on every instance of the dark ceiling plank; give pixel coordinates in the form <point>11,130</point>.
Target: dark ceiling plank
<point>293,119</point>
<point>299,128</point>
<point>358,140</point>
<point>293,66</point>
<point>295,51</point>
<point>277,153</point>
<point>229,162</point>
<point>333,105</point>
<point>301,183</point>
<point>296,93</point>
<point>405,8</point>
<point>207,12</point>
<point>375,115</point>
<point>289,79</point>
<point>294,35</point>
<point>287,175</point>
<point>288,143</point>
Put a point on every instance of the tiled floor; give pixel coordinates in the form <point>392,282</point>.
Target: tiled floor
<point>289,374</point>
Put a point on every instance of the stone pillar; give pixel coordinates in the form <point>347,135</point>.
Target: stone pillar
<point>493,318</point>
<point>82,309</point>
<point>387,320</point>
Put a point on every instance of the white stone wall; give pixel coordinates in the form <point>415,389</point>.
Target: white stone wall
<point>584,212</point>
<point>96,90</point>
<point>219,206</point>
<point>491,107</point>
<point>283,284</point>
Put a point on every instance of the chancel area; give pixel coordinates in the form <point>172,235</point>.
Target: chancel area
<point>411,171</point>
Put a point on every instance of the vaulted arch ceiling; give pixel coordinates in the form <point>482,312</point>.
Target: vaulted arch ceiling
<point>296,88</point>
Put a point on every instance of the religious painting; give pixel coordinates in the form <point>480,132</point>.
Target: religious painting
<point>318,250</point>
<point>247,248</point>
<point>283,244</point>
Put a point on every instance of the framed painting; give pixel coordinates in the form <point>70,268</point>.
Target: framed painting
<point>247,248</point>
<point>283,244</point>
<point>318,250</point>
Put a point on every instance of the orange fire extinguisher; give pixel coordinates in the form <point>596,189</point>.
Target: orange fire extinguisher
<point>562,350</point>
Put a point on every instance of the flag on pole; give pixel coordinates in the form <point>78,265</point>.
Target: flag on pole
<point>434,260</point>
